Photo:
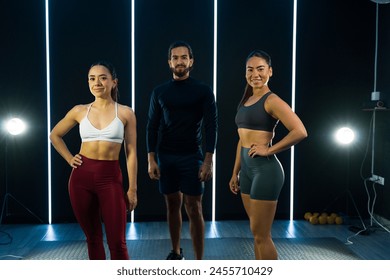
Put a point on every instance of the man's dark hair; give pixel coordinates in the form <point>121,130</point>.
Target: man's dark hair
<point>177,44</point>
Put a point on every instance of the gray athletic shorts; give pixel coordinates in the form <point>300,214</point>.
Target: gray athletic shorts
<point>261,177</point>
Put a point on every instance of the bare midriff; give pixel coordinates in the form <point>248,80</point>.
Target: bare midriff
<point>249,137</point>
<point>101,150</point>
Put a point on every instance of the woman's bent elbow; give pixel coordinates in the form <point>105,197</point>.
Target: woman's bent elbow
<point>304,134</point>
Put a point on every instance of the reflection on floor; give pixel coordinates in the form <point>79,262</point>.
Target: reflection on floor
<point>18,240</point>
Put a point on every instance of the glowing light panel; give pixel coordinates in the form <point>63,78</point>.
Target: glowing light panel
<point>15,126</point>
<point>292,158</point>
<point>48,110</point>
<point>215,93</point>
<point>132,69</point>
<point>344,136</point>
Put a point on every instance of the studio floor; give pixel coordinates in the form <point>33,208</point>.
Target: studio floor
<point>150,240</point>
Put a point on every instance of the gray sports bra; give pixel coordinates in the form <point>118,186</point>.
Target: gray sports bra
<point>255,117</point>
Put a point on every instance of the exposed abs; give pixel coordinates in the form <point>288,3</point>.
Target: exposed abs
<point>249,137</point>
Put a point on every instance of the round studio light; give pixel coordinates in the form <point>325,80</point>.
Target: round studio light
<point>15,126</point>
<point>345,136</point>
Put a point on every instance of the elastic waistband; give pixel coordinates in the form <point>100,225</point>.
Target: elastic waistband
<point>244,152</point>
<point>98,160</point>
<point>97,166</point>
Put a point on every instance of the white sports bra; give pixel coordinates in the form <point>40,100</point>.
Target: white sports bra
<point>114,132</point>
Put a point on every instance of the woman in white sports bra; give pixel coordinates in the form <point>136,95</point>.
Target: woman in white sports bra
<point>95,186</point>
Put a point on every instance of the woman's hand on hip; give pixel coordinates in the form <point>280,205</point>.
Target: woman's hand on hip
<point>76,161</point>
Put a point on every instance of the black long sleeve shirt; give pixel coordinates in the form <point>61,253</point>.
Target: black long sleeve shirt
<point>177,111</point>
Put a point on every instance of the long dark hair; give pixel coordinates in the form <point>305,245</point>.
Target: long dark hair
<point>248,92</point>
<point>111,69</point>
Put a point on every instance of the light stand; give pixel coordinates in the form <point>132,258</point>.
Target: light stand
<point>375,179</point>
<point>375,96</point>
<point>14,130</point>
<point>345,137</point>
<point>379,106</point>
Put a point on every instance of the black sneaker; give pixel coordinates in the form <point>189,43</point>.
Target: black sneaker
<point>173,256</point>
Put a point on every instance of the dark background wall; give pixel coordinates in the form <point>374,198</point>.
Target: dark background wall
<point>80,34</point>
<point>335,77</point>
<point>382,140</point>
<point>158,24</point>
<point>266,25</point>
<point>23,159</point>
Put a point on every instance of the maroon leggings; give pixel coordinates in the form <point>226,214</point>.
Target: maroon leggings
<point>97,195</point>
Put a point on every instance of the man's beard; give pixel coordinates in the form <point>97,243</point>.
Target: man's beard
<point>182,72</point>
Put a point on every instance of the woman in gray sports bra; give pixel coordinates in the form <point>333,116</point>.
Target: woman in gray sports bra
<point>257,173</point>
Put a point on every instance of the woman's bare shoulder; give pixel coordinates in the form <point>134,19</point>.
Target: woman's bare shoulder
<point>78,111</point>
<point>275,99</point>
<point>124,109</point>
<point>126,113</point>
<point>80,107</point>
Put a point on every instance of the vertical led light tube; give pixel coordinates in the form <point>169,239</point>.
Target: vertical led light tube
<point>132,12</point>
<point>215,93</point>
<point>294,50</point>
<point>48,110</point>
